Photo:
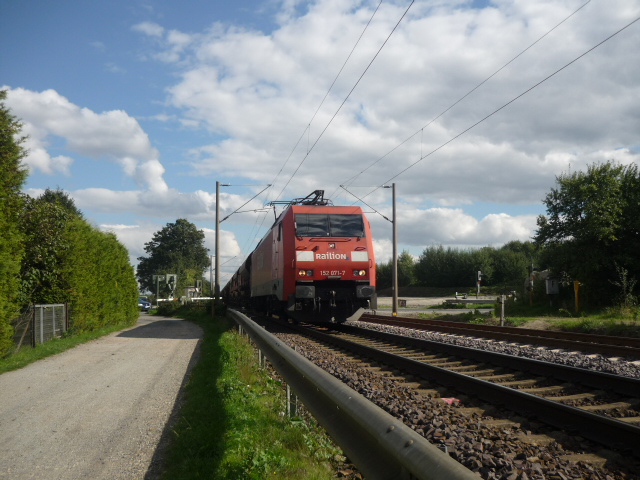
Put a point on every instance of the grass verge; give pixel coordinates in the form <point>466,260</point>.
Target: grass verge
<point>27,355</point>
<point>231,424</point>
<point>611,321</point>
<point>596,324</point>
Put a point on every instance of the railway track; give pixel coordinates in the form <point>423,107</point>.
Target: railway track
<point>583,342</point>
<point>601,407</point>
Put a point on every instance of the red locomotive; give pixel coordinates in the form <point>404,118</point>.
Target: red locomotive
<point>316,264</point>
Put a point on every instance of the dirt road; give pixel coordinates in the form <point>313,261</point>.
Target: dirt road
<point>96,411</point>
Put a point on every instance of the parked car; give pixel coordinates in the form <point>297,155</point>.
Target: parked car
<point>144,305</point>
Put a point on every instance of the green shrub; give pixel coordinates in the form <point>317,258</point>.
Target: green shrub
<point>168,309</point>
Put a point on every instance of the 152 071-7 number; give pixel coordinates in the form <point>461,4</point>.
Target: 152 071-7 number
<point>332,273</point>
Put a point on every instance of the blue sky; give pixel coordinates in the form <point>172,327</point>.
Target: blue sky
<point>136,108</point>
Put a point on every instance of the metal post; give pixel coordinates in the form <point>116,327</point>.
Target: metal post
<point>216,287</point>
<point>33,327</point>
<point>395,252</point>
<point>211,284</point>
<point>292,403</point>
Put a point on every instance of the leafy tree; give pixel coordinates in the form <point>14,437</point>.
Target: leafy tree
<point>406,264</point>
<point>177,248</point>
<point>406,273</point>
<point>509,268</point>
<point>511,264</point>
<point>61,198</point>
<point>592,228</point>
<point>384,275</point>
<point>69,260</point>
<point>452,267</point>
<point>12,177</point>
<point>505,267</point>
<point>44,227</point>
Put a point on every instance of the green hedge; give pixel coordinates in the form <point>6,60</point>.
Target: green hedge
<point>102,286</point>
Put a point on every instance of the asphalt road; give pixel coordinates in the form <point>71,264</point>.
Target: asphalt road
<point>97,411</point>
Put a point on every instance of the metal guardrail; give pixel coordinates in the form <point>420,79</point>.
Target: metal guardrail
<point>380,445</point>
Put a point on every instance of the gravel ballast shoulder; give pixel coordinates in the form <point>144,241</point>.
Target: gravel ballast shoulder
<point>496,451</point>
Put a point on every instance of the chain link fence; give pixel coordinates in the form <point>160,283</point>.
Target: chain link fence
<point>40,323</point>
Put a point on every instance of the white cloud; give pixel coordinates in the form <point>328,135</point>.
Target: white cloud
<point>113,135</point>
<point>261,90</point>
<point>133,237</point>
<point>39,158</point>
<point>420,228</point>
<point>149,28</point>
<point>251,95</point>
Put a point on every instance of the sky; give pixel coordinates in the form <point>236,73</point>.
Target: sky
<point>472,109</point>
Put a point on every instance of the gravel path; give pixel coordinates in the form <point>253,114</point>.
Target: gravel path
<point>98,410</point>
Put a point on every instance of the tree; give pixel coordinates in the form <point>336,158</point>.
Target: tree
<point>384,275</point>
<point>406,264</point>
<point>438,267</point>
<point>406,274</point>
<point>591,228</point>
<point>178,248</point>
<point>44,227</point>
<point>511,264</point>
<point>12,177</point>
<point>69,260</point>
<point>61,198</point>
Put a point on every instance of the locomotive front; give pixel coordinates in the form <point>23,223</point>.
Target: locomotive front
<point>332,264</point>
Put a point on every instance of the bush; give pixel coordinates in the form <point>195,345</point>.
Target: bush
<point>168,309</point>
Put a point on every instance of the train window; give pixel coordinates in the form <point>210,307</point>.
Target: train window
<point>335,225</point>
<point>312,225</point>
<point>346,225</point>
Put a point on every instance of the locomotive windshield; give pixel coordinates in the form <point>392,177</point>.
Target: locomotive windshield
<point>332,225</point>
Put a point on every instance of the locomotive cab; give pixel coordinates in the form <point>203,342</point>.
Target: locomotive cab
<point>316,264</point>
<point>333,266</point>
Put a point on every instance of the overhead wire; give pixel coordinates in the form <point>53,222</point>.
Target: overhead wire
<point>508,103</point>
<point>307,129</point>
<point>362,200</point>
<point>345,100</point>
<point>237,210</point>
<point>421,130</point>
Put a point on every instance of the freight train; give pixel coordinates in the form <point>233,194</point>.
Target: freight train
<point>316,264</point>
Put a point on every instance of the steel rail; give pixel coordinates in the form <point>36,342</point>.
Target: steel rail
<point>591,378</point>
<point>380,445</point>
<point>604,344</point>
<point>600,429</point>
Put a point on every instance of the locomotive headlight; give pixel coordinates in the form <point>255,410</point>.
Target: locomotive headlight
<point>359,273</point>
<point>305,273</point>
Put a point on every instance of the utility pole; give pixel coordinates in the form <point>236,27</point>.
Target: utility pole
<point>395,252</point>
<point>211,283</point>
<point>216,286</point>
